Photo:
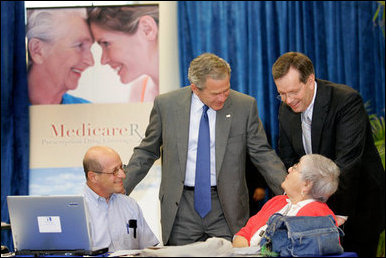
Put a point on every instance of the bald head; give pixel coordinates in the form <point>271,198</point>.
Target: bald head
<point>104,171</point>
<point>95,158</point>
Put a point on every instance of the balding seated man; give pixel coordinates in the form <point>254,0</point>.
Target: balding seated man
<point>116,219</point>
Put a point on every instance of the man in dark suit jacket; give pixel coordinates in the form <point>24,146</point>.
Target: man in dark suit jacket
<point>318,116</point>
<point>235,129</point>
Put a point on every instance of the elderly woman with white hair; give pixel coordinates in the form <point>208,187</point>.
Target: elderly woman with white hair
<point>307,187</point>
<point>59,51</point>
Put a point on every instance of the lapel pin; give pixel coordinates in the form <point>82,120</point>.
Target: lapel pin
<point>229,115</point>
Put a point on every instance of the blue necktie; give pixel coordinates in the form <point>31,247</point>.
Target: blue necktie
<point>202,199</point>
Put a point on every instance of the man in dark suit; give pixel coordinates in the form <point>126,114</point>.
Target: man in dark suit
<point>173,132</point>
<point>318,116</point>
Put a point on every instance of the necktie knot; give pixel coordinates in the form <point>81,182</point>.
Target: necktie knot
<point>205,108</point>
<point>308,120</point>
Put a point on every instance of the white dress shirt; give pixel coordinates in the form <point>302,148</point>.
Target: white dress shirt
<point>109,222</point>
<point>306,118</point>
<point>194,125</point>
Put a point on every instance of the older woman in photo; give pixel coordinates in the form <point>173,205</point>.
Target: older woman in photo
<point>128,37</point>
<point>59,51</point>
<point>307,187</point>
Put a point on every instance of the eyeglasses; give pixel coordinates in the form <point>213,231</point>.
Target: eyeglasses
<point>290,94</point>
<point>115,172</point>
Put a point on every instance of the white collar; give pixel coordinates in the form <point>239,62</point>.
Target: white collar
<point>301,203</point>
<point>96,196</point>
<point>308,112</point>
<point>197,104</point>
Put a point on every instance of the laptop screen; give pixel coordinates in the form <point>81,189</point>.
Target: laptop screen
<point>49,223</point>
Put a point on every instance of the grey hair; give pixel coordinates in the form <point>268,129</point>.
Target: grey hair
<point>207,65</point>
<point>41,22</point>
<point>323,173</point>
<point>42,25</point>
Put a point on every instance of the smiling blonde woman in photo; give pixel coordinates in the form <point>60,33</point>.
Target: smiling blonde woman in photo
<point>128,37</point>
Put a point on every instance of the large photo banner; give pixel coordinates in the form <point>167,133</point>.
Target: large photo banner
<point>93,73</point>
<point>93,55</point>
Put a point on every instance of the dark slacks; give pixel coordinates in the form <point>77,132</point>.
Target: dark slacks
<point>189,227</point>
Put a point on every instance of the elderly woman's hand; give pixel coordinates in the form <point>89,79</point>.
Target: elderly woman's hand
<point>239,241</point>
<point>340,220</point>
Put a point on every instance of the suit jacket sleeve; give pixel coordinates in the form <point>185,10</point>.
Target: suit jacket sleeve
<point>146,153</point>
<point>350,139</point>
<point>261,153</point>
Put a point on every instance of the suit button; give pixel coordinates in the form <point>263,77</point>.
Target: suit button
<point>177,203</point>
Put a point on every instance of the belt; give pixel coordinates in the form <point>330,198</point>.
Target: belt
<point>191,188</point>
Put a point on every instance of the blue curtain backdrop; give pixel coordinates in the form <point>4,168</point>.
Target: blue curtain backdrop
<point>14,110</point>
<point>338,36</point>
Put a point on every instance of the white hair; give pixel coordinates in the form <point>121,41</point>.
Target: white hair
<point>42,23</point>
<point>323,173</point>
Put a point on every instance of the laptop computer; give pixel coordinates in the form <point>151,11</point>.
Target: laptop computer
<point>50,225</point>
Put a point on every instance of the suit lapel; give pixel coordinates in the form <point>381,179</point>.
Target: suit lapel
<point>223,125</point>
<point>319,114</point>
<point>182,115</point>
<point>295,125</point>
